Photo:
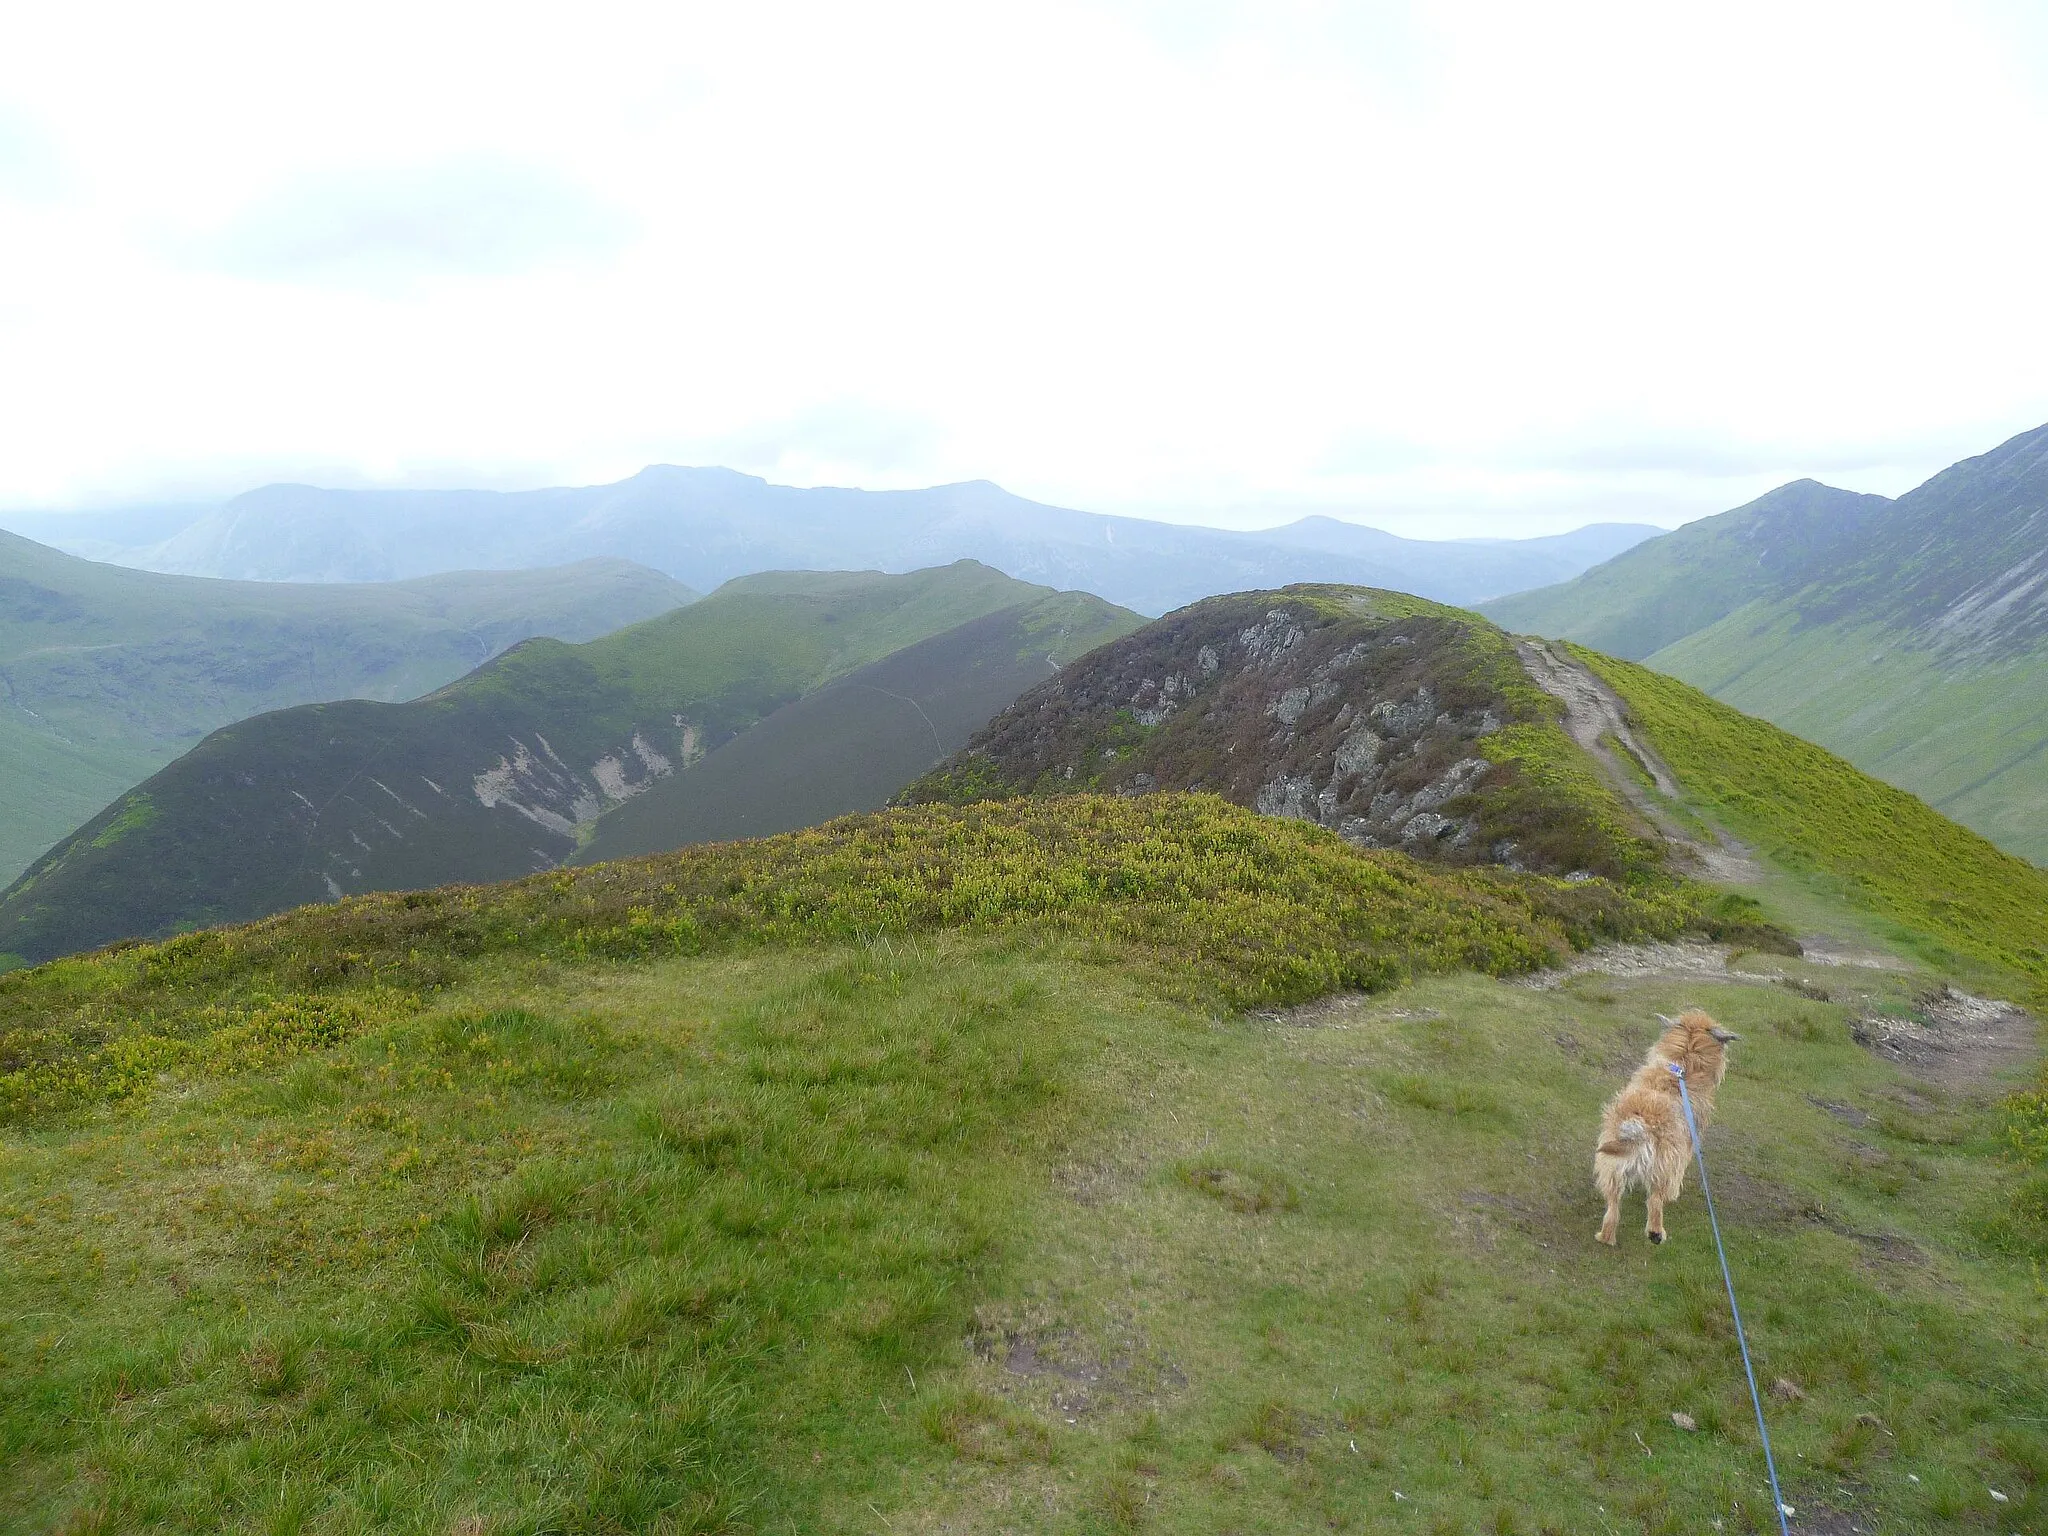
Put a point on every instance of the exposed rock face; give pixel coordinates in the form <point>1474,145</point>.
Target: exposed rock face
<point>1371,723</point>
<point>538,785</point>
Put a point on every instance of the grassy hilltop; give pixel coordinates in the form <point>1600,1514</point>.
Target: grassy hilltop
<point>1076,1163</point>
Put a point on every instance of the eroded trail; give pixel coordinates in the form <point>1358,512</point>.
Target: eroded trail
<point>1595,720</point>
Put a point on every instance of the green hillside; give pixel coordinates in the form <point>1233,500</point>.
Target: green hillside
<point>1971,739</point>
<point>921,1171</point>
<point>501,773</point>
<point>858,740</point>
<point>1909,636</point>
<point>1937,887</point>
<point>1670,587</point>
<point>106,674</point>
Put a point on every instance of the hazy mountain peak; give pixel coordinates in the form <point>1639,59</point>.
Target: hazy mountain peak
<point>704,525</point>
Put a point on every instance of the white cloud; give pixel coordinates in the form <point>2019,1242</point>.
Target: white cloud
<point>29,167</point>
<point>385,228</point>
<point>1462,267</point>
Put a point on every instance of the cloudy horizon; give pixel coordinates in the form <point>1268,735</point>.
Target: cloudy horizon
<point>1452,270</point>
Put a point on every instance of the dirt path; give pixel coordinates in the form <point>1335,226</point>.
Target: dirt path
<point>1594,717</point>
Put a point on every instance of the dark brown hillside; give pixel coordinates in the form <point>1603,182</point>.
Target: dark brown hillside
<point>1394,722</point>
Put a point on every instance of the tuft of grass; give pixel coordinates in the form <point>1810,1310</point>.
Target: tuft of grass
<point>1275,1426</point>
<point>977,1426</point>
<point>1443,1096</point>
<point>1250,1191</point>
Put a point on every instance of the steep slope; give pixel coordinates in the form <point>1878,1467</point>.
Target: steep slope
<point>1936,885</point>
<point>1392,721</point>
<point>1910,636</point>
<point>705,526</point>
<point>106,673</point>
<point>498,774</point>
<point>858,740</point>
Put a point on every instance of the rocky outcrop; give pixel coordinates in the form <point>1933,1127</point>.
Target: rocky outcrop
<point>1362,713</point>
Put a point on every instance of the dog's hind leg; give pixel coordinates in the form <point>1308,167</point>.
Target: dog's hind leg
<point>1610,1181</point>
<point>1663,1191</point>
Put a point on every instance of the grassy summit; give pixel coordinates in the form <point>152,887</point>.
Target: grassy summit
<point>926,1171</point>
<point>1393,721</point>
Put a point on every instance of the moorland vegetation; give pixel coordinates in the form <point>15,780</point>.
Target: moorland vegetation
<point>1086,1162</point>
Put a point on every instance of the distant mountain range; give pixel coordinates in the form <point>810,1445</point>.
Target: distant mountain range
<point>1911,636</point>
<point>779,701</point>
<point>705,526</point>
<point>107,674</point>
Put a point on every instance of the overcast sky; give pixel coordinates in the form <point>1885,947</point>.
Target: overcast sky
<point>1453,269</point>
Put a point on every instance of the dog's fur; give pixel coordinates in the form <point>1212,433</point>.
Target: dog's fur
<point>1643,1136</point>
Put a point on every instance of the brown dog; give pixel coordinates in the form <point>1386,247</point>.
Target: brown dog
<point>1643,1136</point>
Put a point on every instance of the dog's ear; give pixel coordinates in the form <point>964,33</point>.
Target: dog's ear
<point>1723,1035</point>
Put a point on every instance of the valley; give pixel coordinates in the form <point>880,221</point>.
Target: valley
<point>514,767</point>
<point>107,674</point>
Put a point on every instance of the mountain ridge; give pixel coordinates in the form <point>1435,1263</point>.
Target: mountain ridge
<point>108,673</point>
<point>704,526</point>
<point>504,771</point>
<point>1054,1161</point>
<point>1910,635</point>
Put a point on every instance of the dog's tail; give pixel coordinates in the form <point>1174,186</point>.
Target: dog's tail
<point>1629,1137</point>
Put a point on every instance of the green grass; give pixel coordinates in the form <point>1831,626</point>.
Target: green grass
<point>1939,888</point>
<point>990,1233</point>
<point>924,1171</point>
<point>574,1265</point>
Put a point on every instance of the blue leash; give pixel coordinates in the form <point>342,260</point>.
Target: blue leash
<point>1699,1151</point>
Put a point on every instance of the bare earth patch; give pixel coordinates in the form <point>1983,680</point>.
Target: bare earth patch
<point>1822,949</point>
<point>1676,961</point>
<point>1955,1040</point>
